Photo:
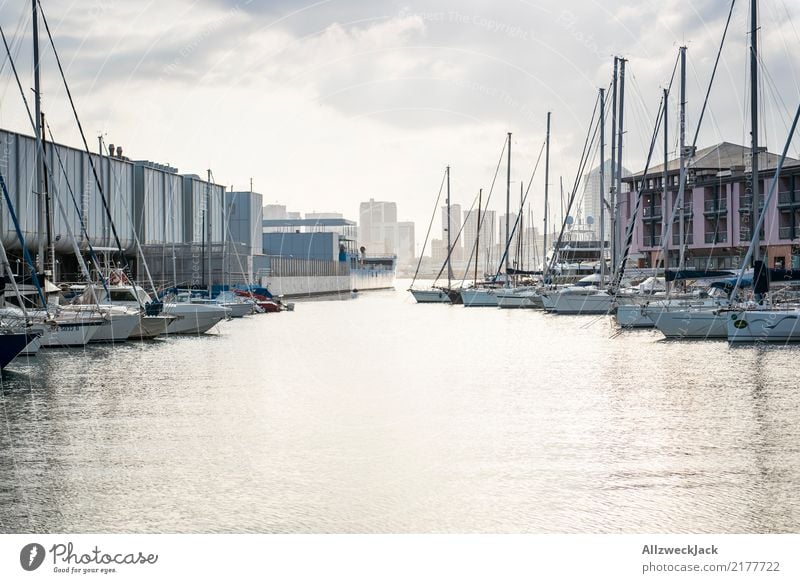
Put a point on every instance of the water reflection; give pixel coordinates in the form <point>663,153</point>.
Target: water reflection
<point>379,415</point>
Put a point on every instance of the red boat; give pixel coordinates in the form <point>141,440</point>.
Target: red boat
<point>262,302</point>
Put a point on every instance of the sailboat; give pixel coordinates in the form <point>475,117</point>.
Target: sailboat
<point>439,294</point>
<point>589,295</point>
<point>485,294</point>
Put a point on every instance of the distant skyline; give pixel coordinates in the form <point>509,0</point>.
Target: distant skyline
<point>327,104</point>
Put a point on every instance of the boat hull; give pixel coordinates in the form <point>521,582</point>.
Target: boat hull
<point>117,328</point>
<point>194,318</point>
<point>696,324</point>
<point>11,345</point>
<point>763,326</point>
<point>479,298</point>
<point>70,334</point>
<point>430,296</point>
<point>151,326</point>
<point>578,304</point>
<point>634,316</point>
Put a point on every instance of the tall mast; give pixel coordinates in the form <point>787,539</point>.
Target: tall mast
<point>682,177</point>
<point>520,230</point>
<point>602,186</point>
<point>613,185</point>
<point>48,216</point>
<point>478,236</point>
<point>207,232</point>
<point>37,98</point>
<point>665,197</point>
<point>508,203</point>
<point>546,188</point>
<point>754,121</point>
<point>449,250</point>
<point>617,197</point>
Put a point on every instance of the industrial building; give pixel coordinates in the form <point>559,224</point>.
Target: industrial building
<point>190,230</point>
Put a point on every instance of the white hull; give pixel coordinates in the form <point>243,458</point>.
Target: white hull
<point>194,318</point>
<point>578,303</point>
<point>151,326</point>
<point>430,296</point>
<point>529,299</point>
<point>479,298</point>
<point>117,328</point>
<point>634,316</point>
<point>72,333</point>
<point>763,326</point>
<point>688,323</point>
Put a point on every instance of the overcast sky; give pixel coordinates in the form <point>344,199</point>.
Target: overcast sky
<point>329,103</point>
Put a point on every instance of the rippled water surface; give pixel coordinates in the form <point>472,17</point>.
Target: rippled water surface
<point>376,414</point>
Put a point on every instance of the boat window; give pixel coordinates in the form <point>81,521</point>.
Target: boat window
<point>122,295</point>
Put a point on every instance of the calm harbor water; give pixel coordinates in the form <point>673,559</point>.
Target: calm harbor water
<point>376,414</point>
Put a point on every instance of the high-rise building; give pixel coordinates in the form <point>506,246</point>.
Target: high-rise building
<point>378,226</point>
<point>405,242</point>
<point>455,228</point>
<point>591,198</point>
<point>485,242</point>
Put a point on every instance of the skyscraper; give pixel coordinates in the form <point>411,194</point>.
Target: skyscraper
<point>378,226</point>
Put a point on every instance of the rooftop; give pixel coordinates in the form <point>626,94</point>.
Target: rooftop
<point>722,156</point>
<point>308,223</point>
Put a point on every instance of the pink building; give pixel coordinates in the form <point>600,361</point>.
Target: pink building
<point>717,210</point>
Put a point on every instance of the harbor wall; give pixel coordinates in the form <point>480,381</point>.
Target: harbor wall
<point>293,286</point>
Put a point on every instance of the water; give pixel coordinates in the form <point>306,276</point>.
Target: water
<point>379,415</point>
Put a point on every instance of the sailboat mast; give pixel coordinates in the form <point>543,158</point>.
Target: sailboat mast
<point>520,230</point>
<point>449,250</point>
<point>207,231</point>
<point>615,200</point>
<point>754,122</point>
<point>478,236</point>
<point>48,214</point>
<point>546,188</point>
<point>602,185</point>
<point>508,203</point>
<point>682,186</point>
<point>37,98</point>
<point>665,197</point>
<point>613,184</point>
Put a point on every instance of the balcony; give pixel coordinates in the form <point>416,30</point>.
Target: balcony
<point>719,205</point>
<point>688,212</point>
<point>714,238</point>
<point>651,212</point>
<point>788,198</point>
<point>787,232</point>
<point>688,238</point>
<point>745,234</point>
<point>651,240</point>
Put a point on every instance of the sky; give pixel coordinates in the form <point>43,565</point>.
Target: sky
<point>327,103</point>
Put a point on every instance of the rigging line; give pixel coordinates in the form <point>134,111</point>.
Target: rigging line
<point>775,94</point>
<point>519,215</point>
<point>582,163</point>
<point>12,213</point>
<point>455,241</point>
<point>789,56</point>
<point>767,199</point>
<point>464,223</point>
<point>106,207</point>
<point>475,250</point>
<point>632,219</point>
<point>430,225</point>
<point>92,254</point>
<point>713,72</point>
